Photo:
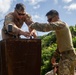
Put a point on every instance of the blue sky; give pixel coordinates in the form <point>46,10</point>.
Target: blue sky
<point>38,9</point>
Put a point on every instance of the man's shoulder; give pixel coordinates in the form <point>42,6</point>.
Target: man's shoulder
<point>9,17</point>
<point>28,15</point>
<point>61,22</point>
<point>10,14</point>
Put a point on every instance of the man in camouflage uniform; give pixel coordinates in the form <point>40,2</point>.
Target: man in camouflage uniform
<point>64,41</point>
<point>15,20</point>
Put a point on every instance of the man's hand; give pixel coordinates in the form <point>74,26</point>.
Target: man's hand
<point>33,33</point>
<point>26,34</point>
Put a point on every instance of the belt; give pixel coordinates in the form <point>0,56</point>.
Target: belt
<point>66,52</point>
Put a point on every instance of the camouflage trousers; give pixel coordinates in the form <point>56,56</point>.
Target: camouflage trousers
<point>67,63</point>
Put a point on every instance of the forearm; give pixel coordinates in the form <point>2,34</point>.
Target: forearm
<point>44,27</point>
<point>33,33</point>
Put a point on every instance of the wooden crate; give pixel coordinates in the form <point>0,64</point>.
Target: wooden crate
<point>20,57</point>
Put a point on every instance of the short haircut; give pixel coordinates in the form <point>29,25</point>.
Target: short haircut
<point>52,13</point>
<point>20,7</point>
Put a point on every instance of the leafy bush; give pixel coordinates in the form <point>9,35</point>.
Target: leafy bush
<point>46,58</point>
<point>74,42</point>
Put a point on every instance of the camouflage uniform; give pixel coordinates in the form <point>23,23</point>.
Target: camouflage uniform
<point>65,46</point>
<point>11,18</point>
